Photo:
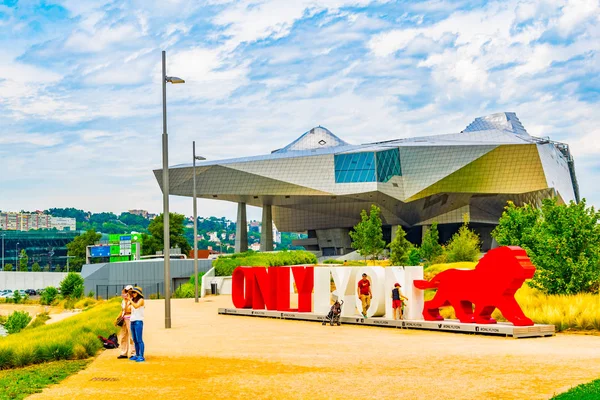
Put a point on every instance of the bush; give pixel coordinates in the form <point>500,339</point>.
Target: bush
<point>72,286</point>
<point>464,245</point>
<point>185,291</point>
<point>17,297</point>
<point>61,340</point>
<point>332,261</point>
<point>200,275</point>
<point>48,296</point>
<point>224,266</point>
<point>17,321</point>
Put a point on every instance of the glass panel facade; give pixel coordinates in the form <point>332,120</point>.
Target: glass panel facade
<point>355,167</point>
<point>388,165</point>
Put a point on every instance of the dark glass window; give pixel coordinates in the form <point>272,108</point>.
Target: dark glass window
<point>355,167</point>
<point>388,165</point>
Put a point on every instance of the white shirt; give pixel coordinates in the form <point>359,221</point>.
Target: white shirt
<point>137,314</point>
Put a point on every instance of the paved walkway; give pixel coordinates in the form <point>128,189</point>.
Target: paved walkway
<point>206,354</point>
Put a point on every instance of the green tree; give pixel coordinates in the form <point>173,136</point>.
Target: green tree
<point>36,267</point>
<point>176,230</point>
<point>132,220</point>
<point>464,245</point>
<point>367,236</point>
<point>23,261</point>
<point>58,268</point>
<point>8,267</point>
<point>430,246</point>
<point>77,248</point>
<point>72,285</point>
<point>563,243</point>
<point>47,268</point>
<point>400,248</point>
<point>414,257</point>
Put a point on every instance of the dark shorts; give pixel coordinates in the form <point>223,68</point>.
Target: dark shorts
<point>396,303</point>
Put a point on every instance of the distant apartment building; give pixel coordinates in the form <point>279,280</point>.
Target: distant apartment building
<point>13,221</point>
<point>141,213</point>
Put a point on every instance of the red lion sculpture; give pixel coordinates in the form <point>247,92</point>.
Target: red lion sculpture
<point>492,284</point>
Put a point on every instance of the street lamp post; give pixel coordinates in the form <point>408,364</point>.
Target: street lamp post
<point>194,158</point>
<point>165,181</point>
<point>16,267</point>
<point>3,251</point>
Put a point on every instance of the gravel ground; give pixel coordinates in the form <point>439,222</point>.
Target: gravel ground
<point>221,356</point>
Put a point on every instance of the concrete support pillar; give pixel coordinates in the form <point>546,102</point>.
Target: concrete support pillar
<point>394,229</point>
<point>266,232</point>
<point>241,229</point>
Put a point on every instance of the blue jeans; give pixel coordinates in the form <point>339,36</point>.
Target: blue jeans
<point>137,327</point>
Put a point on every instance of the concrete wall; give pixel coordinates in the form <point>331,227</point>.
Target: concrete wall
<point>30,280</point>
<point>107,279</point>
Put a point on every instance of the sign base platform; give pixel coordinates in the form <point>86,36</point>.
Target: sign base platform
<point>449,325</point>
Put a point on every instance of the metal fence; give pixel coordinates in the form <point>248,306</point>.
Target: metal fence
<point>153,290</point>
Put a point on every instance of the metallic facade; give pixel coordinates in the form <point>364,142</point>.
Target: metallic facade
<point>320,184</point>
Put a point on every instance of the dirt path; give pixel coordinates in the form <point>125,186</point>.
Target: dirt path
<point>206,354</point>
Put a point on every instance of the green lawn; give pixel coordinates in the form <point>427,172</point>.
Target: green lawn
<point>20,383</point>
<point>587,391</point>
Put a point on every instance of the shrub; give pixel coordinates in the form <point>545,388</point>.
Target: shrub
<point>464,245</point>
<point>185,291</point>
<point>224,266</point>
<point>72,286</point>
<point>48,296</point>
<point>17,297</point>
<point>17,321</point>
<point>200,275</point>
<point>85,303</point>
<point>332,261</point>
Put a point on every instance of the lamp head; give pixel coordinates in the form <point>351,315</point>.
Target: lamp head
<point>174,79</point>
<point>200,158</point>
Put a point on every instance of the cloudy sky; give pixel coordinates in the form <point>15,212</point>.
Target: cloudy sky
<point>80,92</point>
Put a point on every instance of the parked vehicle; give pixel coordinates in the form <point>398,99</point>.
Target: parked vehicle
<point>30,292</point>
<point>6,293</point>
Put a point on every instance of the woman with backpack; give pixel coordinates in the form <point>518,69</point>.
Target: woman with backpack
<point>137,322</point>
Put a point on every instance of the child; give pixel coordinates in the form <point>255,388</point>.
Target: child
<point>397,298</point>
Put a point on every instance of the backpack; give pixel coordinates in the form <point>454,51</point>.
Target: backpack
<point>111,343</point>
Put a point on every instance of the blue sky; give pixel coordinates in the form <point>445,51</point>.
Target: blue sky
<point>80,85</point>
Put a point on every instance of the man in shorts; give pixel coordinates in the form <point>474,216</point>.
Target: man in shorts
<point>364,294</point>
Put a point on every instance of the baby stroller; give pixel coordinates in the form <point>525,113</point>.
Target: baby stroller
<point>334,314</point>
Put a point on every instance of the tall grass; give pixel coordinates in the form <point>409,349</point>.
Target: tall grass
<point>579,312</point>
<point>71,339</point>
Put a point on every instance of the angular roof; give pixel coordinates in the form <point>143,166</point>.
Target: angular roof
<point>504,121</point>
<point>316,138</point>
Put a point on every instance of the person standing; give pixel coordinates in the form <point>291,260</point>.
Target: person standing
<point>137,323</point>
<point>364,294</point>
<point>397,299</point>
<point>125,332</point>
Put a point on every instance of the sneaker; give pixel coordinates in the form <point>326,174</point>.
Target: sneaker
<point>133,358</point>
<point>140,359</point>
<point>122,356</point>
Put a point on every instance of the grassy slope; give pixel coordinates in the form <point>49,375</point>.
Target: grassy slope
<point>587,391</point>
<point>73,338</point>
<point>20,383</point>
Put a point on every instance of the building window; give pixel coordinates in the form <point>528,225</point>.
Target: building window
<point>355,167</point>
<point>388,165</point>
